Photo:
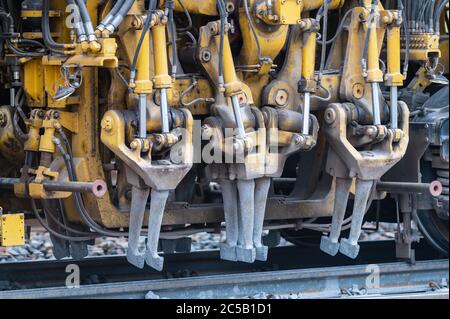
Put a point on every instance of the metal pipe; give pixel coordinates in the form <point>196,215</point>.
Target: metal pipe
<point>97,188</point>
<point>434,188</point>
<point>238,117</point>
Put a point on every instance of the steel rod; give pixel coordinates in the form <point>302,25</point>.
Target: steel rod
<point>98,187</point>
<point>433,188</point>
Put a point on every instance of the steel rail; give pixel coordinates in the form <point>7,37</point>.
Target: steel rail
<point>396,279</point>
<point>112,276</point>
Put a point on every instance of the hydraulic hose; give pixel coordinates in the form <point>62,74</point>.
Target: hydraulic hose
<point>28,161</point>
<point>173,34</point>
<point>79,27</point>
<point>52,231</point>
<point>324,38</point>
<point>188,17</point>
<point>437,16</point>
<point>86,20</point>
<point>119,16</point>
<point>48,40</point>
<point>339,29</point>
<point>68,228</point>
<point>8,20</point>
<point>110,15</point>
<point>87,219</point>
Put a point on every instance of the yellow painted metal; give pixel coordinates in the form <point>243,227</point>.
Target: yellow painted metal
<point>374,73</point>
<point>354,86</point>
<point>162,79</point>
<point>24,14</point>
<point>421,81</point>
<point>143,82</point>
<point>195,6</point>
<point>444,60</point>
<point>104,56</point>
<point>232,84</point>
<point>289,11</point>
<point>46,142</point>
<point>34,125</point>
<point>393,76</point>
<point>422,47</point>
<point>34,83</point>
<point>12,230</point>
<point>80,113</point>
<point>309,5</point>
<point>271,41</point>
<point>52,81</point>
<point>309,57</point>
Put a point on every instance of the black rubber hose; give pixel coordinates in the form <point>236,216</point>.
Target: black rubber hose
<point>86,20</point>
<point>52,231</point>
<point>111,13</point>
<point>437,15</point>
<point>87,219</point>
<point>79,27</point>
<point>324,38</point>
<point>188,17</point>
<point>173,34</point>
<point>22,53</point>
<point>121,13</point>
<point>8,19</point>
<point>339,29</point>
<point>68,228</point>
<point>46,35</point>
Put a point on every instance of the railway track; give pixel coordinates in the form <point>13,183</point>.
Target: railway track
<point>203,275</point>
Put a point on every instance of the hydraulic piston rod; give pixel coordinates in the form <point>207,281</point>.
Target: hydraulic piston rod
<point>308,83</point>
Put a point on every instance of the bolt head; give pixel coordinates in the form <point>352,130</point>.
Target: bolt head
<point>330,116</point>
<point>3,120</point>
<point>134,145</point>
<point>281,98</point>
<point>107,124</point>
<point>298,139</point>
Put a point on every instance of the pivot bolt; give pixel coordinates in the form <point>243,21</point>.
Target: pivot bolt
<point>298,139</point>
<point>107,124</point>
<point>205,55</point>
<point>330,116</point>
<point>134,145</point>
<point>281,97</point>
<point>3,120</point>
